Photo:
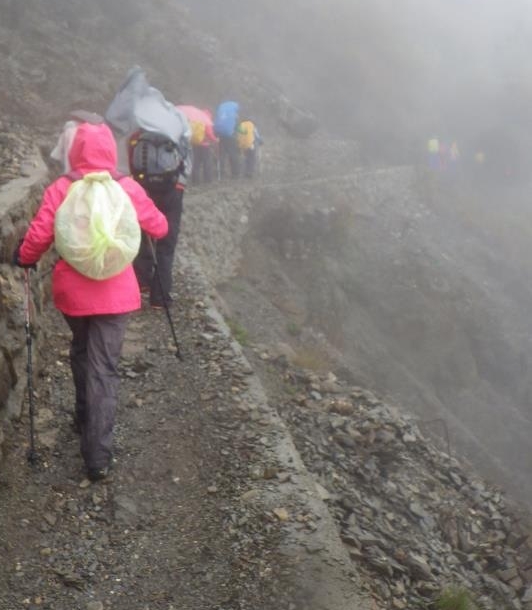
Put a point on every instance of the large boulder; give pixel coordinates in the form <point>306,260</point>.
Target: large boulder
<point>298,123</point>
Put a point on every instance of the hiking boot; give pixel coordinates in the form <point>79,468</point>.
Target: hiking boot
<point>158,302</point>
<point>98,474</point>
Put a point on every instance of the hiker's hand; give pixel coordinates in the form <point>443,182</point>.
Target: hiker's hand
<point>16,259</point>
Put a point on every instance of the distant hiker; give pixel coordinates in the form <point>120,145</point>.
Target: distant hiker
<point>480,166</point>
<point>203,140</point>
<point>225,124</point>
<point>444,156</point>
<point>454,156</point>
<point>162,167</point>
<point>154,142</point>
<point>480,158</point>
<point>248,140</point>
<point>433,151</point>
<point>96,310</point>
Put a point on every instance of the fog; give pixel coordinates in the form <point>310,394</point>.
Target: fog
<point>385,75</point>
<point>391,73</point>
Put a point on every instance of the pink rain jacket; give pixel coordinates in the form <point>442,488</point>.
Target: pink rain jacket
<point>93,149</point>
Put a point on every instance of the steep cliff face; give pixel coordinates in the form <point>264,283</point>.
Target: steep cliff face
<point>415,293</point>
<point>64,56</point>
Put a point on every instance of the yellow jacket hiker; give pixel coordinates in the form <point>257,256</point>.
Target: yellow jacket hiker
<point>245,135</point>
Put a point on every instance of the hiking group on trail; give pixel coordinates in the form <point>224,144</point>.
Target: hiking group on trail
<point>114,216</point>
<point>237,138</point>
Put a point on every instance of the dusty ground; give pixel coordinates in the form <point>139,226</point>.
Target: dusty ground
<point>170,529</point>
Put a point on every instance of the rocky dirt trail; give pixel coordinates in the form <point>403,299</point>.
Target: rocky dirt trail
<point>157,533</point>
<point>200,511</point>
<point>416,520</point>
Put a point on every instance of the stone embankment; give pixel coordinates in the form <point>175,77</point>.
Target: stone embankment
<point>428,305</point>
<point>22,176</point>
<point>415,520</point>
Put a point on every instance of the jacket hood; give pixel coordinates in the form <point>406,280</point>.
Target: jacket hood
<point>93,149</point>
<point>230,106</point>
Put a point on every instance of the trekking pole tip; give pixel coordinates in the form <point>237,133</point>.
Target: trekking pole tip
<point>33,457</point>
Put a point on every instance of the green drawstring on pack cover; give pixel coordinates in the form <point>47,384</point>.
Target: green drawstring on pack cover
<point>96,227</point>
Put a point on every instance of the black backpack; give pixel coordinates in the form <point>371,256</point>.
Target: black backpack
<point>155,161</point>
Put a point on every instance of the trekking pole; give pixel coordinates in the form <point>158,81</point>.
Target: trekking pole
<point>163,296</point>
<point>32,454</point>
<point>218,164</point>
<point>45,273</point>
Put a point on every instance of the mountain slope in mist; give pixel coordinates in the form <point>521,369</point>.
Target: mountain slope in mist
<point>385,75</point>
<point>390,74</point>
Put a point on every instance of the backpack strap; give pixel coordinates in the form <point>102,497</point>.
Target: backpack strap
<point>73,175</point>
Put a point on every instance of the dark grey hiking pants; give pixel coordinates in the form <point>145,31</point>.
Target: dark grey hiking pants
<point>171,205</point>
<point>229,152</point>
<point>94,355</point>
<point>202,164</point>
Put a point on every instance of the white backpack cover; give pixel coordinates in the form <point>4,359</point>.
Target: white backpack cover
<point>96,227</point>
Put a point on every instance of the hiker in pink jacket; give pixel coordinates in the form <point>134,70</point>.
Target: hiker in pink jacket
<point>95,310</point>
<point>204,143</point>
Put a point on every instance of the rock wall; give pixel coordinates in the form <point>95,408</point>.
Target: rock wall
<point>19,199</point>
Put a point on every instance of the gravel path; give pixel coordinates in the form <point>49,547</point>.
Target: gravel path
<point>170,529</point>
